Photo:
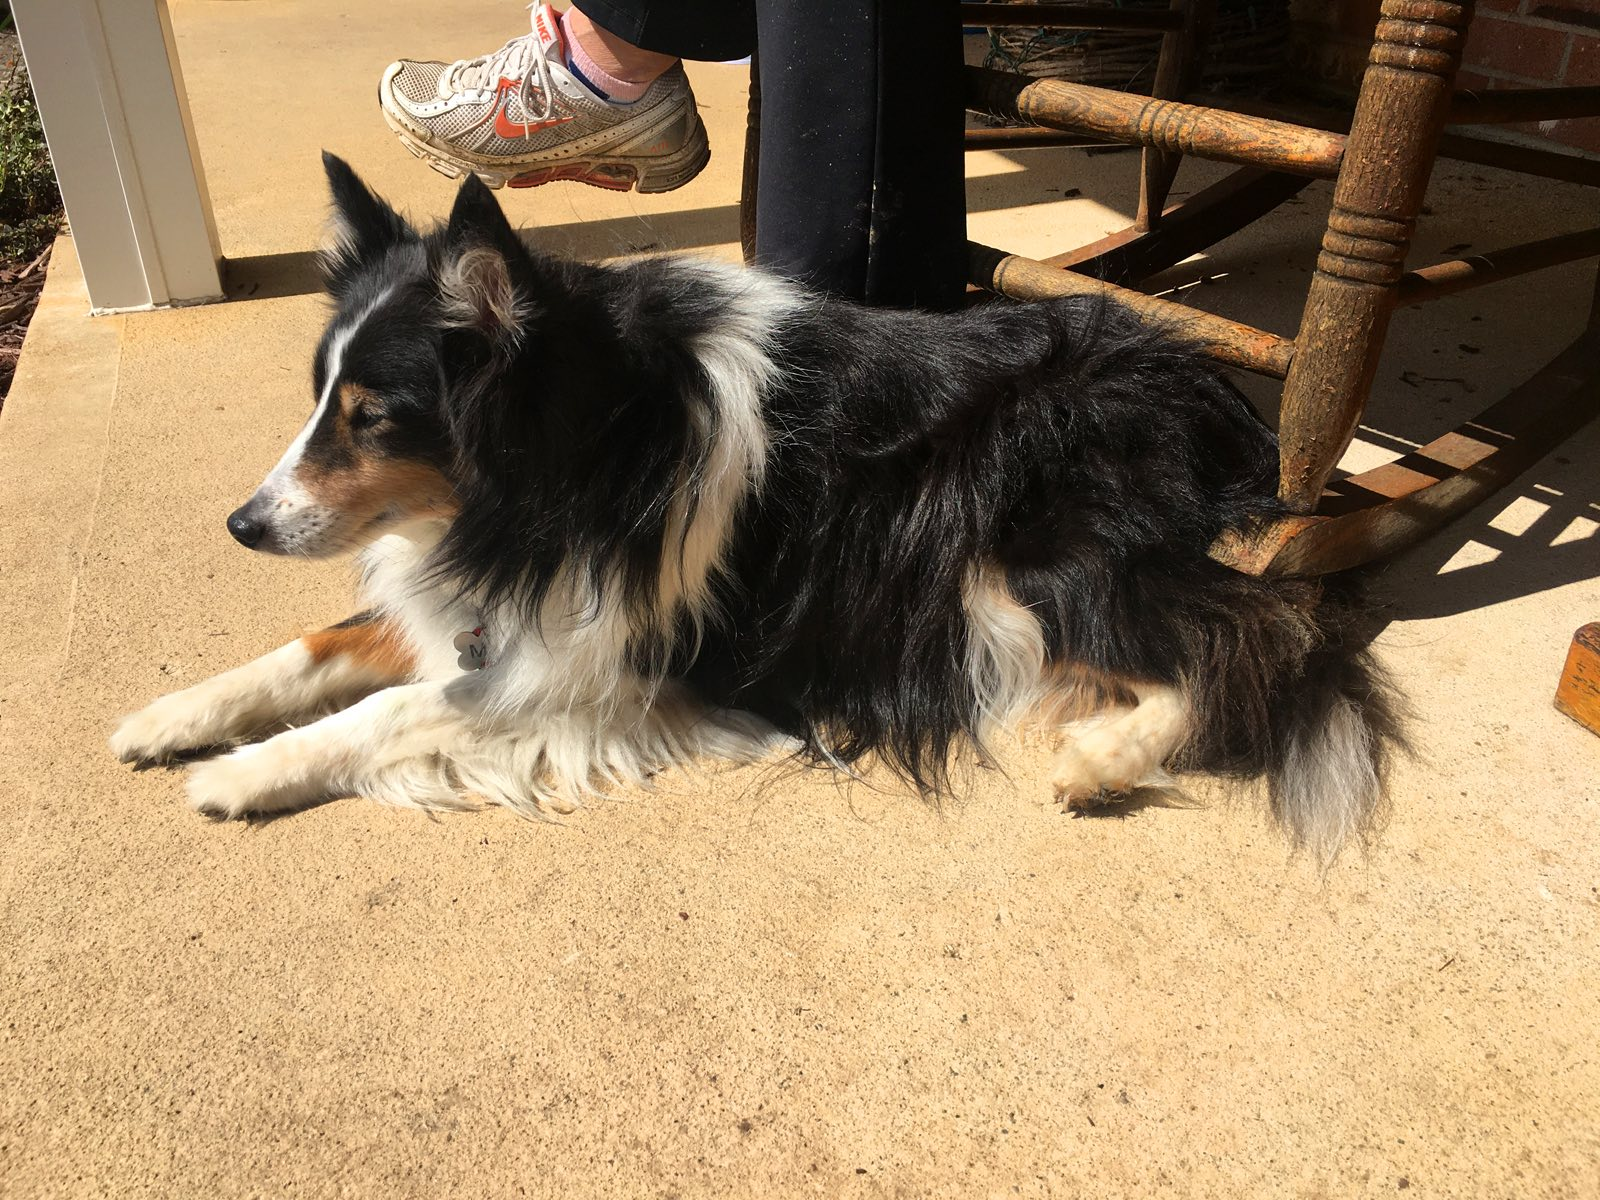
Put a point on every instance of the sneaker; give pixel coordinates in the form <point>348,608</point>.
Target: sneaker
<point>520,117</point>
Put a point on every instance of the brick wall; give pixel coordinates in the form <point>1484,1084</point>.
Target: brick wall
<point>1537,43</point>
<point>1513,44</point>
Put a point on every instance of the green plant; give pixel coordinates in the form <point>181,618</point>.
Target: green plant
<point>30,205</point>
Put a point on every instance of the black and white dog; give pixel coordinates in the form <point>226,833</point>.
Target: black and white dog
<point>614,517</point>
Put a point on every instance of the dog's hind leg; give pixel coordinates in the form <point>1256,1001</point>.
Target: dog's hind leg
<point>1124,752</point>
<point>317,673</point>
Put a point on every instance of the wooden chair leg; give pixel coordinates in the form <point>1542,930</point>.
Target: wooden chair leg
<point>1177,73</point>
<point>1594,305</point>
<point>1393,140</point>
<point>752,165</point>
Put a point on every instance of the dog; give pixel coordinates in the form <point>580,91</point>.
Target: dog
<point>616,517</point>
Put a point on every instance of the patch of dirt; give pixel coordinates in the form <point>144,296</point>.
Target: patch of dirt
<point>22,261</point>
<point>10,54</point>
<point>19,295</point>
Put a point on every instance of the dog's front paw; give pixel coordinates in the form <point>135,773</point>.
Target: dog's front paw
<point>251,780</point>
<point>161,731</point>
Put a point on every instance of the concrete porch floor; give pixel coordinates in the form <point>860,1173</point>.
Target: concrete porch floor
<point>730,985</point>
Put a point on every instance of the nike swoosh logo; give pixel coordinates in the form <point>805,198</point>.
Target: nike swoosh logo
<point>509,129</point>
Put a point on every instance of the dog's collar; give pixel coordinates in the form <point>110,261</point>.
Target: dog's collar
<point>474,650</point>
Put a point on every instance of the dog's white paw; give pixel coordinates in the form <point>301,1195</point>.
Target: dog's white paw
<point>1101,767</point>
<point>250,781</point>
<point>169,726</point>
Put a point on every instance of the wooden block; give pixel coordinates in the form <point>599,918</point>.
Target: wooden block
<point>1578,694</point>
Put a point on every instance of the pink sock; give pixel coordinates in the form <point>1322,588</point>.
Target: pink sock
<point>578,55</point>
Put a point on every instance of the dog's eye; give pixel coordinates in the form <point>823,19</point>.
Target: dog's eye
<point>365,416</point>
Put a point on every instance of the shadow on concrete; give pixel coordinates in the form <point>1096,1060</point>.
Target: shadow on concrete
<point>295,272</point>
<point>1559,546</point>
<point>1040,180</point>
<point>271,276</point>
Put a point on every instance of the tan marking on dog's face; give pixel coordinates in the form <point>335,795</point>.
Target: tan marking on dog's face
<point>354,476</point>
<point>373,485</point>
<point>352,400</point>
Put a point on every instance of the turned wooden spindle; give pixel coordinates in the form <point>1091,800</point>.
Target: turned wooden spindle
<point>1163,124</point>
<point>1177,72</point>
<point>1393,138</point>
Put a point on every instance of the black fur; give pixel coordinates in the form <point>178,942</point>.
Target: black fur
<point>1091,459</point>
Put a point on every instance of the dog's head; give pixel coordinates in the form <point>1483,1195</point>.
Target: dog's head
<point>411,314</point>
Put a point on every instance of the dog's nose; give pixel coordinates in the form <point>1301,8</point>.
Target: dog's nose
<point>246,529</point>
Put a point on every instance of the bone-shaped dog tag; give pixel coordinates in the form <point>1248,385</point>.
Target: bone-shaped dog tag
<point>474,654</point>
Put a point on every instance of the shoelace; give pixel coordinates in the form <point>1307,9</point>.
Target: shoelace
<point>514,58</point>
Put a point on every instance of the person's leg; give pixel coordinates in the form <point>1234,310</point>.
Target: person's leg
<point>919,231</point>
<point>617,67</point>
<point>861,190</point>
<point>702,30</point>
<point>861,187</point>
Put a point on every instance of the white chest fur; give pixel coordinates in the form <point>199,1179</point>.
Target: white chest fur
<point>395,581</point>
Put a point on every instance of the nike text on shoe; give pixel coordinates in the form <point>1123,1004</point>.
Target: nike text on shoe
<point>519,117</point>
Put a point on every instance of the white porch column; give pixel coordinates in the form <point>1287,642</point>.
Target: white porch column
<point>111,99</point>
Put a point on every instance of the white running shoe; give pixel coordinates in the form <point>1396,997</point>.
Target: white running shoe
<point>519,117</point>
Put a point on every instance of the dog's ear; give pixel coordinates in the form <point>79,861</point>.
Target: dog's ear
<point>363,225</point>
<point>476,216</point>
<point>476,281</point>
<point>478,294</point>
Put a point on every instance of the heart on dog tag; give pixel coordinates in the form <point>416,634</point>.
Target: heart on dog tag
<point>474,654</point>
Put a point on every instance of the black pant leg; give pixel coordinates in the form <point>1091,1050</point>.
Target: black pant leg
<point>861,191</point>
<point>705,30</point>
<point>918,252</point>
<point>861,188</point>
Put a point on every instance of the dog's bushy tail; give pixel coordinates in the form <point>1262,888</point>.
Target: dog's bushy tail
<point>1336,730</point>
<point>1288,688</point>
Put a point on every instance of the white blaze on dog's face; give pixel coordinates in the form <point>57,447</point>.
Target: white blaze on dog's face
<point>375,452</point>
